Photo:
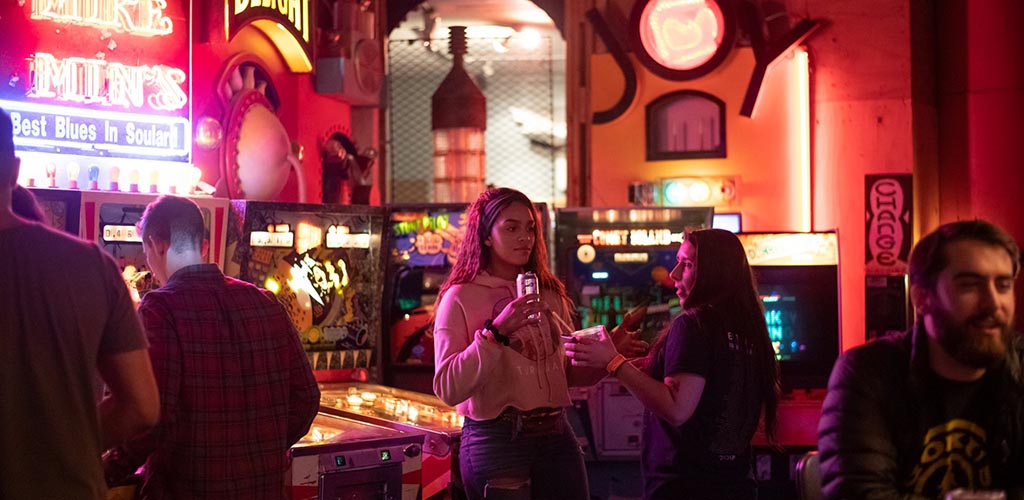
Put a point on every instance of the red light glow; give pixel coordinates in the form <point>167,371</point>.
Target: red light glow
<point>681,34</point>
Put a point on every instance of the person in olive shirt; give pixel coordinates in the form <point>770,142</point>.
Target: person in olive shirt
<point>65,314</point>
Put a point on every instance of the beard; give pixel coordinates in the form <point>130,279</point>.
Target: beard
<point>970,347</point>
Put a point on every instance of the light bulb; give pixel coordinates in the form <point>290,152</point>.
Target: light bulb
<point>154,179</point>
<point>675,193</point>
<point>115,175</point>
<point>700,192</point>
<point>73,171</point>
<point>94,177</point>
<point>195,174</point>
<point>30,176</point>
<point>133,179</point>
<point>179,182</point>
<point>209,133</point>
<point>51,175</point>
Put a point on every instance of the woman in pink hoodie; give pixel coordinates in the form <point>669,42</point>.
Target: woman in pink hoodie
<point>500,359</point>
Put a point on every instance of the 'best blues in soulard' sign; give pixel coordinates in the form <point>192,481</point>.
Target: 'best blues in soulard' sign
<point>98,133</point>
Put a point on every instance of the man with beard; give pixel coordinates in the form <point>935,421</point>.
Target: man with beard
<point>939,408</point>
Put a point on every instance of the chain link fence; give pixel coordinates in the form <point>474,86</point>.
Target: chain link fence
<point>525,91</point>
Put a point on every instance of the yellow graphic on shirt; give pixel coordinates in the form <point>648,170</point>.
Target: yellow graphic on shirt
<point>953,457</point>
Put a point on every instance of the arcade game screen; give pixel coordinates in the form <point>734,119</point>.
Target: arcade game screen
<point>424,245</point>
<point>801,308</point>
<point>798,281</point>
<point>613,260</point>
<point>324,264</point>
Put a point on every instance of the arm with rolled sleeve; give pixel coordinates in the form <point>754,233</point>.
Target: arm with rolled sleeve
<point>859,458</point>
<point>464,359</point>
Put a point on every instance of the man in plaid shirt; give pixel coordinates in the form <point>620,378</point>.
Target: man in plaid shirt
<point>236,388</point>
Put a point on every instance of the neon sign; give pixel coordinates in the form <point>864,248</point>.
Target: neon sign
<point>75,64</point>
<point>630,237</point>
<point>89,81</point>
<point>681,34</point>
<point>682,39</point>
<point>41,127</point>
<point>136,17</point>
<point>286,22</point>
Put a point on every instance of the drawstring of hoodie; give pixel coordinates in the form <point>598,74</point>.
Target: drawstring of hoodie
<point>536,336</point>
<point>538,363</point>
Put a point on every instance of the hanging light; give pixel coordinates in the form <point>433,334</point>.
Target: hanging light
<point>458,119</point>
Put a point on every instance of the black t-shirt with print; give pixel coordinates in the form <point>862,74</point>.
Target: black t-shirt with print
<point>710,453</point>
<point>954,448</point>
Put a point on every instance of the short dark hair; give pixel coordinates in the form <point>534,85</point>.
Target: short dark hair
<point>24,204</point>
<point>6,134</point>
<point>929,258</point>
<point>176,220</point>
<point>6,144</point>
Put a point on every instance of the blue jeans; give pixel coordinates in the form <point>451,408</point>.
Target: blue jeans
<point>522,457</point>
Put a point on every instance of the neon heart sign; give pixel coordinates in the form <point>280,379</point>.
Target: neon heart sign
<point>681,35</point>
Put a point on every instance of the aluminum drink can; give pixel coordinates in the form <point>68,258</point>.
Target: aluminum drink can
<point>526,284</point>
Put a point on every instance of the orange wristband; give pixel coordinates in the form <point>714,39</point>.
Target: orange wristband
<point>615,363</point>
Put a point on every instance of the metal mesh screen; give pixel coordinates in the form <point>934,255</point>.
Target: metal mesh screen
<point>525,108</point>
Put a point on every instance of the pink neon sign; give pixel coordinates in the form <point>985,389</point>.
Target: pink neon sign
<point>681,34</point>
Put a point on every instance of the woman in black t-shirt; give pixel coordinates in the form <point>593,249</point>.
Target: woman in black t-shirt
<point>708,379</point>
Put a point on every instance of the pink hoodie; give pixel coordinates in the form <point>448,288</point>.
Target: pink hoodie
<point>480,377</point>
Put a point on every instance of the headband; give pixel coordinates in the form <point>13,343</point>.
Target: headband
<point>494,208</point>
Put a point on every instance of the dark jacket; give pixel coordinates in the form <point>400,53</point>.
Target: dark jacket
<point>878,409</point>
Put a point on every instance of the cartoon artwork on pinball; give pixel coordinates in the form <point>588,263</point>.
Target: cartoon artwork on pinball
<point>324,267</point>
<point>425,239</point>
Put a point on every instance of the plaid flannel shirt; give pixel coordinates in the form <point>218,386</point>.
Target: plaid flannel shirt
<point>236,389</point>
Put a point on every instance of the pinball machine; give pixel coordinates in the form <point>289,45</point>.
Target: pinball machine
<point>348,459</point>
<point>324,264</point>
<point>408,411</point>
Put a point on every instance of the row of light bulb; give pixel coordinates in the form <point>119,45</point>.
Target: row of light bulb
<point>183,183</point>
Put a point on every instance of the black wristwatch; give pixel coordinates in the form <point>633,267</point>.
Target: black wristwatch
<point>503,339</point>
